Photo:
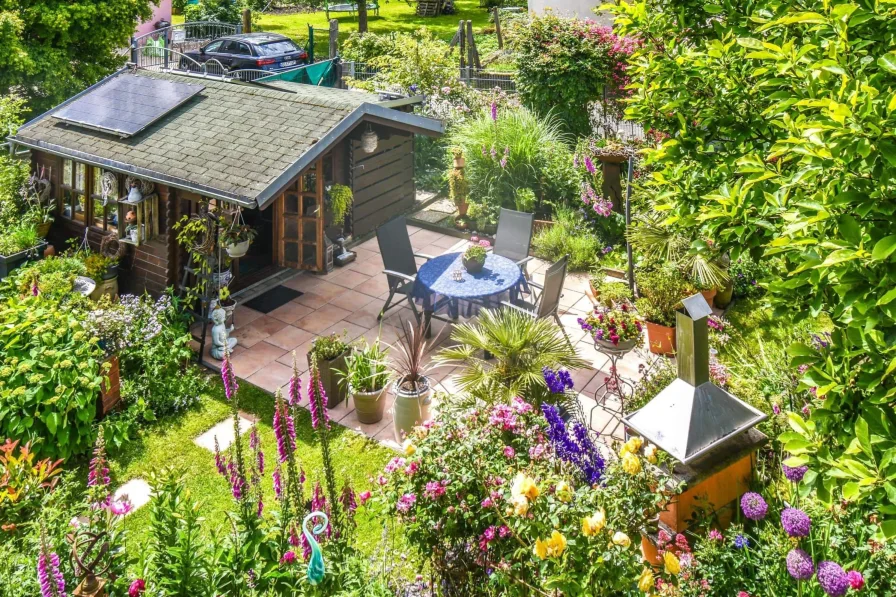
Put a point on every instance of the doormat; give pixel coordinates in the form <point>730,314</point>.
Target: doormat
<point>273,298</point>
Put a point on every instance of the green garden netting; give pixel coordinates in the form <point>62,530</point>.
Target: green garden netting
<point>319,73</point>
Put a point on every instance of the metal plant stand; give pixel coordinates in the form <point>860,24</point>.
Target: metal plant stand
<point>614,385</point>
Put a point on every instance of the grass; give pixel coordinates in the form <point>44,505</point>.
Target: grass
<point>395,17</point>
<point>170,443</point>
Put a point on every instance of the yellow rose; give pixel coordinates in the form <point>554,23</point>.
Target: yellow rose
<point>556,544</point>
<point>564,491</point>
<point>646,580</point>
<point>594,524</point>
<point>650,453</point>
<point>631,464</point>
<point>524,486</point>
<point>520,505</point>
<point>409,448</point>
<point>631,446</point>
<point>671,562</point>
<point>621,539</point>
<point>541,549</point>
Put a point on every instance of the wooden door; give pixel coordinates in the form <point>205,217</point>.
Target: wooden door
<point>302,221</point>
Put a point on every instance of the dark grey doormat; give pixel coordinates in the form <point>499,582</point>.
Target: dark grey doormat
<point>273,298</point>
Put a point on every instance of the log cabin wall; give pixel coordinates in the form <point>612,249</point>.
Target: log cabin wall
<point>382,182</point>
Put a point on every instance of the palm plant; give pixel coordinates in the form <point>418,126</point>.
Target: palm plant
<point>522,347</point>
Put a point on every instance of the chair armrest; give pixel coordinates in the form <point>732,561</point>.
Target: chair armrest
<point>525,260</point>
<point>520,309</point>
<point>423,256</point>
<point>536,285</point>
<point>406,277</point>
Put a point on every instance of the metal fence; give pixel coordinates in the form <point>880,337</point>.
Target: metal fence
<point>148,51</point>
<point>476,78</point>
<point>359,71</point>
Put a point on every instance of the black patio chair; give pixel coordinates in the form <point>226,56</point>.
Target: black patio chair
<point>548,302</point>
<point>514,238</point>
<point>399,263</point>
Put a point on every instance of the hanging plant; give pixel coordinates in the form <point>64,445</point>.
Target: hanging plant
<point>237,236</point>
<point>340,199</point>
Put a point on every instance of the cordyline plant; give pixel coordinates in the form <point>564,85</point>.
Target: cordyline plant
<point>781,120</point>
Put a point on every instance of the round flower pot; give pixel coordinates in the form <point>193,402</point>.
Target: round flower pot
<point>461,223</point>
<point>709,295</point>
<point>462,209</point>
<point>473,266</point>
<point>723,296</point>
<point>624,346</point>
<point>369,406</point>
<point>111,272</point>
<point>411,407</point>
<point>237,250</point>
<point>460,162</point>
<point>43,229</point>
<point>661,339</point>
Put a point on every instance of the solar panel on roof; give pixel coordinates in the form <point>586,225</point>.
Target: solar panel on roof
<point>127,104</point>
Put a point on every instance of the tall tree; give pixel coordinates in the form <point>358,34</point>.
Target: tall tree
<point>362,16</point>
<point>51,49</point>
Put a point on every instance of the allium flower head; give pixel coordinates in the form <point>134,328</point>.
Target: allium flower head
<point>796,523</point>
<point>753,506</point>
<point>800,565</point>
<point>795,473</point>
<point>832,578</point>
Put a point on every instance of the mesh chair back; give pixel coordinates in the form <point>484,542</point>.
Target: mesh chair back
<point>553,288</point>
<point>395,247</point>
<point>514,234</point>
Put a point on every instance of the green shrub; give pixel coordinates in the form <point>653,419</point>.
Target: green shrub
<point>364,47</point>
<point>17,238</point>
<point>53,277</point>
<point>49,377</point>
<point>660,292</point>
<point>746,275</point>
<point>568,236</point>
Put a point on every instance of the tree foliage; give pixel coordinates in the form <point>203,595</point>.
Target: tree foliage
<point>51,50</point>
<point>782,118</point>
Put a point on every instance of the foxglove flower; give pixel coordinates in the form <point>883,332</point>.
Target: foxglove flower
<point>52,583</point>
<point>294,394</point>
<point>318,398</point>
<point>219,460</point>
<point>348,499</point>
<point>284,429</point>
<point>278,482</point>
<point>230,385</point>
<point>98,473</point>
<point>494,110</point>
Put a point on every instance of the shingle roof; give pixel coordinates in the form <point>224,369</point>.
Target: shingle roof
<point>232,140</point>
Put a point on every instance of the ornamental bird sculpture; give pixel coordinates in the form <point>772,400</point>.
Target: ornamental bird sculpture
<point>316,562</point>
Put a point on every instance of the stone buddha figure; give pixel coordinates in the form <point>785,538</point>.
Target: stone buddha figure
<point>220,339</point>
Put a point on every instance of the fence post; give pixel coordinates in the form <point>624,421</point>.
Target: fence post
<point>498,28</point>
<point>334,37</point>
<point>310,43</point>
<point>247,20</point>
<point>462,46</point>
<point>133,49</point>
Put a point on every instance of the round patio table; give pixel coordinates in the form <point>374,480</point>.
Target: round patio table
<point>436,285</point>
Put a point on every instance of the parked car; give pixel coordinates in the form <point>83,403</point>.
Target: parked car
<point>247,51</point>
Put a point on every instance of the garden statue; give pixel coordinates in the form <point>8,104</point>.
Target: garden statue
<point>316,561</point>
<point>220,340</point>
<point>130,220</point>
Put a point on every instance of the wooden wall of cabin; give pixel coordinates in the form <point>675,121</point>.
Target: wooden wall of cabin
<point>383,181</point>
<point>150,267</point>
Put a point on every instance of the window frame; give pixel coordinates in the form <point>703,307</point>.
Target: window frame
<point>91,192</point>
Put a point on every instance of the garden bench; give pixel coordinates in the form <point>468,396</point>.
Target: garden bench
<point>352,7</point>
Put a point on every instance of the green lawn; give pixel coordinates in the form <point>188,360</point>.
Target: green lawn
<point>170,443</point>
<point>395,17</point>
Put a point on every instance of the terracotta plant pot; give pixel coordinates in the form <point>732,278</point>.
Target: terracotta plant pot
<point>462,209</point>
<point>369,406</point>
<point>661,339</point>
<point>49,251</point>
<point>709,295</point>
<point>110,391</point>
<point>460,162</point>
<point>333,384</point>
<point>473,266</point>
<point>411,408</point>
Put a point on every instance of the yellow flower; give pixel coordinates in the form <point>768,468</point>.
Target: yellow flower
<point>621,539</point>
<point>541,549</point>
<point>650,453</point>
<point>645,581</point>
<point>520,505</point>
<point>409,448</point>
<point>631,464</point>
<point>564,491</point>
<point>594,524</point>
<point>631,446</point>
<point>671,562</point>
<point>556,544</point>
<point>524,486</point>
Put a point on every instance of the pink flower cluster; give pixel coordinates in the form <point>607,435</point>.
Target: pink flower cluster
<point>435,489</point>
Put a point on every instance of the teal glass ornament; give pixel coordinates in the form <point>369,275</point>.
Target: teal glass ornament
<point>316,569</point>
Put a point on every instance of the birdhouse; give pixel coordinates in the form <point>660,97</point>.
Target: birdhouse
<point>138,213</point>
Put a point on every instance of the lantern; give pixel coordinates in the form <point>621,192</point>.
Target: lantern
<point>369,140</point>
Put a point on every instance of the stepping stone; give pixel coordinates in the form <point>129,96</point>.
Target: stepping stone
<point>224,432</point>
<point>137,492</point>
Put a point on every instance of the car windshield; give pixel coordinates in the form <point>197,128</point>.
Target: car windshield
<point>277,47</point>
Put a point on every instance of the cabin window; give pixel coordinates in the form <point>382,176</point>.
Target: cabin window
<point>104,199</point>
<point>90,195</point>
<point>74,190</point>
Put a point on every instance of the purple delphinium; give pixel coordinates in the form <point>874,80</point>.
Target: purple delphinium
<point>753,506</point>
<point>795,473</point>
<point>230,385</point>
<point>557,381</point>
<point>740,542</point>
<point>494,112</point>
<point>577,448</point>
<point>52,583</point>
<point>796,523</point>
<point>799,564</point>
<point>832,578</point>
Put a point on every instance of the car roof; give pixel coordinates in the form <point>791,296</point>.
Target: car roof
<point>256,38</point>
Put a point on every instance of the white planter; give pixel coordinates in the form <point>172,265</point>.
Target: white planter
<point>238,249</point>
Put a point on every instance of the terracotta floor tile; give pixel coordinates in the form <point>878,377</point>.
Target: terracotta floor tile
<point>570,298</point>
<point>243,315</point>
<point>260,355</point>
<point>290,337</point>
<point>368,268</point>
<point>322,319</point>
<point>328,290</point>
<point>349,278</point>
<point>366,316</point>
<point>248,336</point>
<point>303,282</point>
<point>353,301</point>
<point>312,299</point>
<point>371,430</point>
<point>374,287</point>
<point>290,312</point>
<point>271,376</point>
<point>301,356</point>
<point>448,242</point>
<point>363,254</point>
<point>368,245</point>
<point>586,350</point>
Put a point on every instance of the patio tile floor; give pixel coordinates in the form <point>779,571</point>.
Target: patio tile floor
<point>350,299</point>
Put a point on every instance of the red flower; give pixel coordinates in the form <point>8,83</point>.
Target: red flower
<point>137,588</point>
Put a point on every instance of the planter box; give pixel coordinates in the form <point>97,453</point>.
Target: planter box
<point>10,262</point>
<point>332,382</point>
<point>110,393</point>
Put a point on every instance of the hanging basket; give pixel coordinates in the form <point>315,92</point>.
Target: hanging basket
<point>237,250</point>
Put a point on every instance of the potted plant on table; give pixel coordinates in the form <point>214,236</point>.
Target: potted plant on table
<point>330,352</point>
<point>660,293</point>
<point>474,257</point>
<point>615,330</point>
<point>367,376</point>
<point>413,390</point>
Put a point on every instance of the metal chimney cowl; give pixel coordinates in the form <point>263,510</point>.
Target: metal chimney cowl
<point>692,417</point>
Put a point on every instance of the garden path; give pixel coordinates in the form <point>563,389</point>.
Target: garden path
<point>350,298</point>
